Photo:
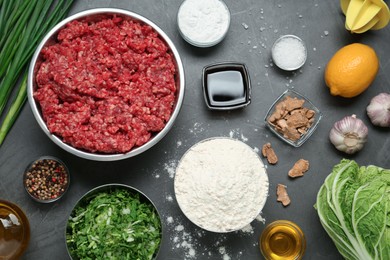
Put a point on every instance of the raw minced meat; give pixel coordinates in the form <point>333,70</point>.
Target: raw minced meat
<point>106,86</point>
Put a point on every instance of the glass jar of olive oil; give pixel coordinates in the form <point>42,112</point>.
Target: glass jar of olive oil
<point>282,240</point>
<point>14,231</point>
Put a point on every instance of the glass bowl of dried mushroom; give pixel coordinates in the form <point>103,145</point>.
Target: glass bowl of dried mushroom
<point>293,118</point>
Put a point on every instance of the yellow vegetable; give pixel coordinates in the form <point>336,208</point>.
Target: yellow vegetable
<point>351,70</point>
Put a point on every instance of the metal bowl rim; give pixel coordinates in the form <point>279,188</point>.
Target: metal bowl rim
<point>137,150</point>
<point>114,186</point>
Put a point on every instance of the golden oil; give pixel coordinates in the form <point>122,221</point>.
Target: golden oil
<point>282,240</point>
<point>14,231</point>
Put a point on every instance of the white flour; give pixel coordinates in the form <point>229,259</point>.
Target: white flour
<point>170,167</point>
<point>203,21</point>
<point>222,251</point>
<point>221,184</point>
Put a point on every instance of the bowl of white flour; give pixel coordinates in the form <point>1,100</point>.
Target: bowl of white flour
<point>221,184</point>
<point>203,23</point>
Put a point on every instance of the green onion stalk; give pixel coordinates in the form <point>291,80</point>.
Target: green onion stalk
<point>23,24</point>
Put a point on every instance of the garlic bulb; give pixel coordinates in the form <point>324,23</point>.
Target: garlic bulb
<point>379,110</point>
<point>349,134</point>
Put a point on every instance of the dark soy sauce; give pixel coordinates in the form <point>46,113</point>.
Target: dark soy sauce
<point>226,86</point>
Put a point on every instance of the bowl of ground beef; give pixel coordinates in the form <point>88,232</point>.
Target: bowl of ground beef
<point>106,84</point>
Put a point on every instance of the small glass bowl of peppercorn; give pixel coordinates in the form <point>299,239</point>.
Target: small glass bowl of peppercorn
<point>46,179</point>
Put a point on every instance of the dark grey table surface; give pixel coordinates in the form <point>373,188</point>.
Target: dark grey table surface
<point>255,25</point>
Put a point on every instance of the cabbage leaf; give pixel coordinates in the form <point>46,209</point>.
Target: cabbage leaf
<point>353,206</point>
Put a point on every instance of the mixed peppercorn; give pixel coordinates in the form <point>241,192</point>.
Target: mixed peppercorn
<point>46,179</point>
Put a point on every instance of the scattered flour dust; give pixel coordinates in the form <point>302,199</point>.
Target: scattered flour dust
<point>197,129</point>
<point>181,239</point>
<point>169,198</point>
<point>260,218</point>
<point>170,220</point>
<point>247,229</point>
<point>190,246</point>
<point>170,168</point>
<point>222,251</point>
<point>235,133</point>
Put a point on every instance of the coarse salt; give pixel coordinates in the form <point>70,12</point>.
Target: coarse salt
<point>289,52</point>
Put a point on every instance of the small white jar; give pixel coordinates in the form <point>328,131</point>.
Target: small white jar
<point>203,23</point>
<point>289,52</point>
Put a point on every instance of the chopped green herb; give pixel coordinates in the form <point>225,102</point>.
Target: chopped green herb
<point>114,224</point>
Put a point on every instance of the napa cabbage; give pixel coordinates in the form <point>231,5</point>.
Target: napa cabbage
<point>353,206</point>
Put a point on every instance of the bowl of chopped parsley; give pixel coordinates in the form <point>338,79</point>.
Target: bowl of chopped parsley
<point>114,221</point>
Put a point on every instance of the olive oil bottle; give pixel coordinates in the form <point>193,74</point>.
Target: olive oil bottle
<point>282,240</point>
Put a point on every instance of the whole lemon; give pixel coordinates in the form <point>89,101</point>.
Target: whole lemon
<point>351,70</point>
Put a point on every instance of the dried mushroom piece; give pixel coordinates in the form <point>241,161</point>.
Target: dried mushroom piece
<point>293,103</point>
<point>269,153</point>
<point>297,120</point>
<point>282,195</point>
<point>299,168</point>
<point>292,134</point>
<point>291,118</point>
<point>310,114</point>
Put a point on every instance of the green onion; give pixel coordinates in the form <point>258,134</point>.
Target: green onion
<point>15,108</point>
<point>23,23</point>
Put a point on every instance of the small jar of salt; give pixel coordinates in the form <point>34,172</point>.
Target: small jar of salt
<point>203,23</point>
<point>289,52</point>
